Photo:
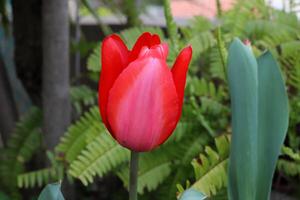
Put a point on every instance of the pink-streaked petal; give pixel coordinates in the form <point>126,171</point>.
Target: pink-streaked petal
<point>143,105</point>
<point>179,72</point>
<point>157,51</point>
<point>114,58</point>
<point>146,39</point>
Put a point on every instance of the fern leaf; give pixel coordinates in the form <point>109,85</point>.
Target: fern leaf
<point>93,61</point>
<point>154,168</point>
<point>211,168</point>
<point>80,134</point>
<point>40,177</point>
<point>201,42</point>
<point>82,96</point>
<point>25,140</point>
<point>289,166</point>
<point>100,156</point>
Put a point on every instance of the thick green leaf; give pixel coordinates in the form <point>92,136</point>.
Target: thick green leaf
<point>259,121</point>
<point>51,192</point>
<point>272,121</point>
<point>192,194</point>
<point>243,84</point>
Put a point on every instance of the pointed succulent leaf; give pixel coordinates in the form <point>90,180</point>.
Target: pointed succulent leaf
<point>192,194</point>
<point>259,107</point>
<point>51,192</point>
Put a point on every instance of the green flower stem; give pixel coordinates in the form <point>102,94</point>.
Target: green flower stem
<point>221,50</point>
<point>134,165</point>
<point>219,8</point>
<point>171,25</point>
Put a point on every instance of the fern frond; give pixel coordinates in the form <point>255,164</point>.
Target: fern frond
<point>211,168</point>
<point>289,58</point>
<point>40,177</point>
<point>213,179</point>
<point>93,61</point>
<point>154,168</point>
<point>25,140</point>
<point>188,148</point>
<point>289,166</point>
<point>80,134</point>
<point>201,42</point>
<point>100,156</point>
<point>261,32</point>
<point>202,87</point>
<point>26,137</point>
<point>82,96</point>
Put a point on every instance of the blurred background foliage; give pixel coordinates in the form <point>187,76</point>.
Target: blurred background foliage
<point>196,154</point>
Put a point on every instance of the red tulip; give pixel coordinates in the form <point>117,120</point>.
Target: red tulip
<point>140,98</point>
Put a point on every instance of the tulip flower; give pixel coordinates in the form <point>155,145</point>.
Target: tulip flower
<point>140,98</point>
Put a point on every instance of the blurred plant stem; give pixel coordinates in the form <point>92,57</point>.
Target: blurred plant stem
<point>219,8</point>
<point>222,51</point>
<point>134,165</point>
<point>132,13</point>
<point>171,25</point>
<point>105,28</point>
<point>220,43</point>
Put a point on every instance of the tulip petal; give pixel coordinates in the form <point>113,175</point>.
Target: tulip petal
<point>114,59</point>
<point>179,72</point>
<point>157,51</point>
<point>146,39</point>
<point>143,105</point>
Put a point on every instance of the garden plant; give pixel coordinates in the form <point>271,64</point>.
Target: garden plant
<point>209,110</point>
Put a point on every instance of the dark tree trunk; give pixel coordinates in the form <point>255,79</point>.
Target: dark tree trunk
<point>56,102</point>
<point>27,25</point>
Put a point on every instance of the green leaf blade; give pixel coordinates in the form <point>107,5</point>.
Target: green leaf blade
<point>192,194</point>
<point>259,106</point>
<point>243,87</point>
<point>272,121</point>
<point>51,192</point>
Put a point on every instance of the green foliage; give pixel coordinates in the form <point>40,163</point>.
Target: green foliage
<point>153,169</point>
<point>87,151</point>
<point>24,142</point>
<point>201,42</point>
<point>90,151</point>
<point>88,148</point>
<point>192,195</point>
<point>104,28</point>
<point>82,96</point>
<point>100,156</point>
<point>94,59</point>
<point>80,134</point>
<point>210,168</point>
<point>290,163</point>
<point>132,12</point>
<point>40,177</point>
<point>51,192</point>
<point>171,25</point>
<point>259,107</point>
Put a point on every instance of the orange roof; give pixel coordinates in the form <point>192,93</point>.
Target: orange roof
<point>191,8</point>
